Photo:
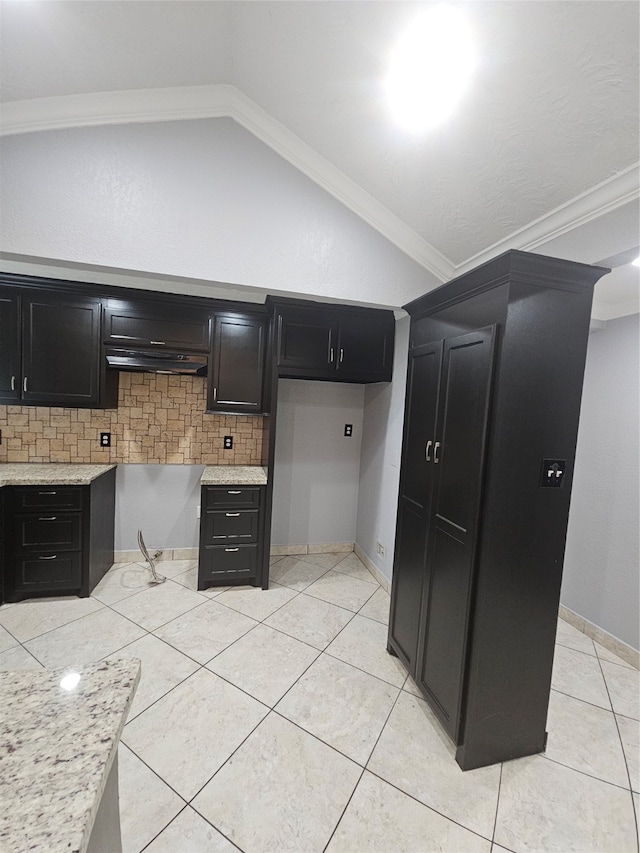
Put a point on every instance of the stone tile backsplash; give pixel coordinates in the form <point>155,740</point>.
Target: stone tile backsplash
<point>159,419</point>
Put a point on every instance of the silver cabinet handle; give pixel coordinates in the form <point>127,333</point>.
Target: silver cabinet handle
<point>436,447</point>
<point>47,493</point>
<point>48,518</point>
<point>341,355</point>
<point>427,450</point>
<point>231,549</point>
<point>237,492</point>
<point>24,384</point>
<point>52,557</point>
<point>124,337</point>
<point>13,383</point>
<point>215,395</point>
<point>159,343</point>
<point>232,514</point>
<point>330,355</point>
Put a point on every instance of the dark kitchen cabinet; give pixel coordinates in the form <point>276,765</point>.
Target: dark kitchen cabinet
<point>141,322</point>
<point>231,536</point>
<point>59,538</point>
<point>334,343</point>
<point>237,364</point>
<point>51,352</point>
<point>60,350</point>
<point>10,374</point>
<point>495,373</point>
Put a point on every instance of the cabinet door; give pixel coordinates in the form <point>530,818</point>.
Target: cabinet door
<point>237,364</point>
<point>132,323</point>
<point>421,409</point>
<point>10,374</point>
<point>458,468</point>
<point>60,350</point>
<point>307,341</point>
<point>365,347</point>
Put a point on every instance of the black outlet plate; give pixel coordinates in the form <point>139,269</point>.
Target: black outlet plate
<point>105,439</point>
<point>348,429</point>
<point>552,473</point>
<point>228,442</point>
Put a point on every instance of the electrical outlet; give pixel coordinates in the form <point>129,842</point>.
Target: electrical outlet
<point>105,439</point>
<point>348,430</point>
<point>228,442</point>
<point>381,549</point>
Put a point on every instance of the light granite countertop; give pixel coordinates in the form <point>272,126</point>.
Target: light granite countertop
<point>57,747</point>
<point>234,475</point>
<point>54,473</point>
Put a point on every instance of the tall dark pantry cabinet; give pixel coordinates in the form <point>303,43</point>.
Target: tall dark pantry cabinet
<point>496,363</point>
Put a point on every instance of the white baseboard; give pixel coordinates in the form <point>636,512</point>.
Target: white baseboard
<point>371,566</point>
<point>318,548</point>
<point>167,554</point>
<point>611,643</point>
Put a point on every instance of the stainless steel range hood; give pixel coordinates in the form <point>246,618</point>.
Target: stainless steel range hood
<point>156,361</point>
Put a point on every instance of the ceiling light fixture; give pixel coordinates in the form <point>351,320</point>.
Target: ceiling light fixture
<point>430,68</point>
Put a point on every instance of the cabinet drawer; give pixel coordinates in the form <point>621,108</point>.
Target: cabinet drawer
<point>229,496</point>
<point>62,532</point>
<point>224,525</point>
<point>135,324</point>
<point>228,563</point>
<point>45,497</point>
<point>48,572</point>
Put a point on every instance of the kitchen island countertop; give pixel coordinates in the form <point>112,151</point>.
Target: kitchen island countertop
<point>234,475</point>
<point>58,743</point>
<point>54,473</point>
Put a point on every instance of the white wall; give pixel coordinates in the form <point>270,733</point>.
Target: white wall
<point>162,501</point>
<point>202,199</point>
<point>602,559</point>
<point>380,458</point>
<point>316,471</point>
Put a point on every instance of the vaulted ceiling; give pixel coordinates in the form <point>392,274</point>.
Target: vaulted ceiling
<point>544,143</point>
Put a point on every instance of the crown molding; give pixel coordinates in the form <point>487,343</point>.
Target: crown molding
<point>216,101</point>
<point>603,198</point>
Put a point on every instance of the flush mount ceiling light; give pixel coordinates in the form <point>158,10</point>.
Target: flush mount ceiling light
<point>430,68</point>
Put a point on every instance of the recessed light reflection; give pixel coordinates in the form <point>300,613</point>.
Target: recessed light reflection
<point>430,68</point>
<point>636,262</point>
<point>70,681</point>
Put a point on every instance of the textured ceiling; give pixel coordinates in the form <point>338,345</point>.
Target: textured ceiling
<point>552,111</point>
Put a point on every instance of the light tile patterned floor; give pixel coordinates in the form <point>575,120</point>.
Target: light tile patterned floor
<point>276,721</point>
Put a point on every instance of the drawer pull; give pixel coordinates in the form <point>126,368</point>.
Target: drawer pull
<point>52,557</point>
<point>47,493</point>
<point>159,343</point>
<point>227,550</point>
<point>48,518</point>
<point>124,337</point>
<point>237,492</point>
<point>232,514</point>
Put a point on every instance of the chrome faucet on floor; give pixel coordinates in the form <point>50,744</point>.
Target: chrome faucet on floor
<point>155,577</point>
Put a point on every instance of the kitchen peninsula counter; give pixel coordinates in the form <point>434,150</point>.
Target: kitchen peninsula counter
<point>234,475</point>
<point>58,755</point>
<point>50,474</point>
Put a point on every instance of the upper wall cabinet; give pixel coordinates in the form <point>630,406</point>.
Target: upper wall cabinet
<point>51,355</point>
<point>143,323</point>
<point>10,374</point>
<point>236,373</point>
<point>339,344</point>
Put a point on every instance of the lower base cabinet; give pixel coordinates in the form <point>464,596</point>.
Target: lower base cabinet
<point>58,538</point>
<point>231,536</point>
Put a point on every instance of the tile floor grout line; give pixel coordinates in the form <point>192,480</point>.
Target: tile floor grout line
<point>359,669</point>
<point>142,849</point>
<point>346,806</point>
<point>431,808</point>
<point>584,772</point>
<point>593,705</point>
<point>495,819</point>
<point>74,619</point>
<point>155,773</point>
<point>624,754</point>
